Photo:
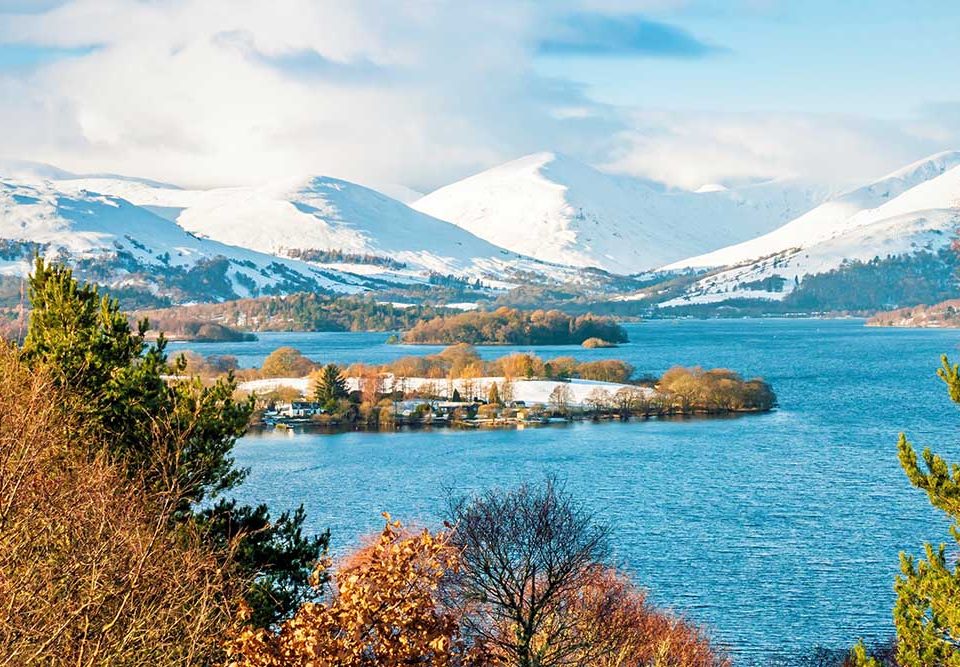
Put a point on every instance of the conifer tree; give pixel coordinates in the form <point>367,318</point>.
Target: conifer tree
<point>169,432</point>
<point>927,610</point>
<point>330,386</point>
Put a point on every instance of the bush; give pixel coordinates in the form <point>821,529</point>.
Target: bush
<point>716,390</point>
<point>286,362</point>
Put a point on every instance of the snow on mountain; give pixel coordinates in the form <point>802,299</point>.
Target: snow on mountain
<point>119,243</point>
<point>323,214</point>
<point>914,209</point>
<point>858,207</point>
<point>557,209</point>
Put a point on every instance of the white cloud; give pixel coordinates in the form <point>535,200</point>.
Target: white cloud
<point>691,149</point>
<point>211,92</point>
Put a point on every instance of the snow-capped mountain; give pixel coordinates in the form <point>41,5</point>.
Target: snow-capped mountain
<point>120,244</point>
<point>914,209</point>
<point>557,209</point>
<point>299,218</point>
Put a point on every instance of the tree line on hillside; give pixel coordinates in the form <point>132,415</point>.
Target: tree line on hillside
<point>509,326</point>
<point>305,311</point>
<point>880,284</point>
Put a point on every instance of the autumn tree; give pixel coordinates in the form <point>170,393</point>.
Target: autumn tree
<point>599,399</point>
<point>286,362</point>
<point>560,397</point>
<point>385,611</point>
<point>94,570</point>
<point>507,390</point>
<point>616,626</point>
<point>493,395</point>
<point>927,609</point>
<point>517,578</point>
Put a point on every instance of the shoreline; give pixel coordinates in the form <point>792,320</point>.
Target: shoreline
<point>336,428</point>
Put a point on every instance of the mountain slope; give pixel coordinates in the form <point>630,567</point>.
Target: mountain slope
<point>556,209</point>
<point>114,242</point>
<point>913,210</point>
<point>858,207</point>
<point>323,214</point>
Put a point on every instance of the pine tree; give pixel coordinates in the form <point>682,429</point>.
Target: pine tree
<point>927,610</point>
<point>330,386</point>
<point>172,434</point>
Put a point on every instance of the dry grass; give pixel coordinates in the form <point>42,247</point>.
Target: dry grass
<point>90,571</point>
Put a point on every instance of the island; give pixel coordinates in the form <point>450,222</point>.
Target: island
<point>510,326</point>
<point>457,388</point>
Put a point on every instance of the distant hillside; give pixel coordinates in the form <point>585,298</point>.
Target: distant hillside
<point>112,242</point>
<point>940,315</point>
<point>294,312</point>
<point>328,221</point>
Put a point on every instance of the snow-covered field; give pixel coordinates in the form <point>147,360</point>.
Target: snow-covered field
<point>531,392</point>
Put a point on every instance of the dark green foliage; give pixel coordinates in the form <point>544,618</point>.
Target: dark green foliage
<point>330,386</point>
<point>175,436</point>
<point>891,282</point>
<point>276,552</point>
<point>339,256</point>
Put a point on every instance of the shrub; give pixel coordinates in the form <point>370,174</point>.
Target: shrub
<point>286,362</point>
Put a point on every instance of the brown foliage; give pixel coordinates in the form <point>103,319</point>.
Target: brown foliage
<point>90,572</point>
<point>286,362</point>
<point>620,628</point>
<point>385,612</point>
<point>516,327</point>
<point>714,390</point>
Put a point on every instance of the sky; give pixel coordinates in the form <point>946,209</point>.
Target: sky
<point>419,93</point>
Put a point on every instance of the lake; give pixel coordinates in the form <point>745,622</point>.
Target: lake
<point>780,531</point>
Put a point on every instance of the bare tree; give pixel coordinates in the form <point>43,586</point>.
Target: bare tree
<point>525,554</point>
<point>560,397</point>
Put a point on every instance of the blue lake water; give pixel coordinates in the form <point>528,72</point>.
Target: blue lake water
<point>780,532</point>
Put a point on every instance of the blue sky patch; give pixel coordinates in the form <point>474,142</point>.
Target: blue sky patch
<point>599,35</point>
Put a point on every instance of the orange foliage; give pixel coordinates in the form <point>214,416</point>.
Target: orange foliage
<point>619,628</point>
<point>386,611</point>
